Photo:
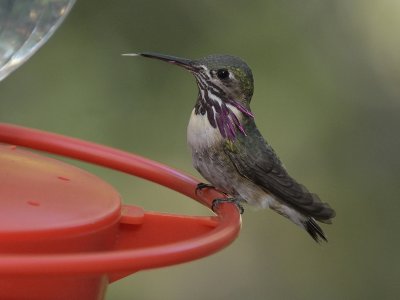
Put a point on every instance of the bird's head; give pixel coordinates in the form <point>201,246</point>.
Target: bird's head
<point>221,76</point>
<point>226,73</point>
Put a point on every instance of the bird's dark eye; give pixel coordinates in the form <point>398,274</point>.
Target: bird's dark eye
<point>223,73</point>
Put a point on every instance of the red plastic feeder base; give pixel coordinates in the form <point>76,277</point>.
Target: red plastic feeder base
<point>64,233</point>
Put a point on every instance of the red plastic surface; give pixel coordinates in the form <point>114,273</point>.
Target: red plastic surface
<point>137,240</point>
<point>48,206</point>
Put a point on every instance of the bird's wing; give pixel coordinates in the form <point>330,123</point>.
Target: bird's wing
<point>257,161</point>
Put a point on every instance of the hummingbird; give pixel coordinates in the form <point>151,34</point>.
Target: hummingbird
<point>229,151</point>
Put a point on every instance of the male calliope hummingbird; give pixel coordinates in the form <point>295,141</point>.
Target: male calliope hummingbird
<point>229,151</point>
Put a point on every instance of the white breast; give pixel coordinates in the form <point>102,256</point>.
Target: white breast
<point>200,133</point>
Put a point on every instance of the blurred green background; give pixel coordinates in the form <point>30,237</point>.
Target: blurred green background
<point>327,97</point>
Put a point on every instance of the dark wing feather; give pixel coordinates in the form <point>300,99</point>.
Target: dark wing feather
<point>257,161</point>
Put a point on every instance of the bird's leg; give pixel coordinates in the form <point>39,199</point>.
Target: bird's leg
<point>203,185</point>
<point>218,201</point>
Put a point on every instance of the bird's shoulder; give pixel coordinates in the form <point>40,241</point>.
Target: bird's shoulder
<point>252,150</point>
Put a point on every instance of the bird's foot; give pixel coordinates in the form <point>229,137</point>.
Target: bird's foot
<point>237,202</point>
<point>203,185</point>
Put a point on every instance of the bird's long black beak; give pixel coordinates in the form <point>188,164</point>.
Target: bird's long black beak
<point>182,62</point>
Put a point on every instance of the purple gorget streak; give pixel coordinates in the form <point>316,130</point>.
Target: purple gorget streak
<point>222,117</point>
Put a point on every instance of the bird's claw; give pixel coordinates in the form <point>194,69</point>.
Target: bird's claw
<point>217,202</point>
<point>203,185</point>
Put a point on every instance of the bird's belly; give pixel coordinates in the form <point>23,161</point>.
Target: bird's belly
<point>216,169</point>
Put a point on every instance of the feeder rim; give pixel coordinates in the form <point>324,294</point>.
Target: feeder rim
<point>226,230</point>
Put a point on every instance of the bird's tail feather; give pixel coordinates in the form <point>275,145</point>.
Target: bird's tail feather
<point>304,221</point>
<point>314,230</point>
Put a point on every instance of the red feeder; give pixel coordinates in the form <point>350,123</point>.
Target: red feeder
<point>64,233</point>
